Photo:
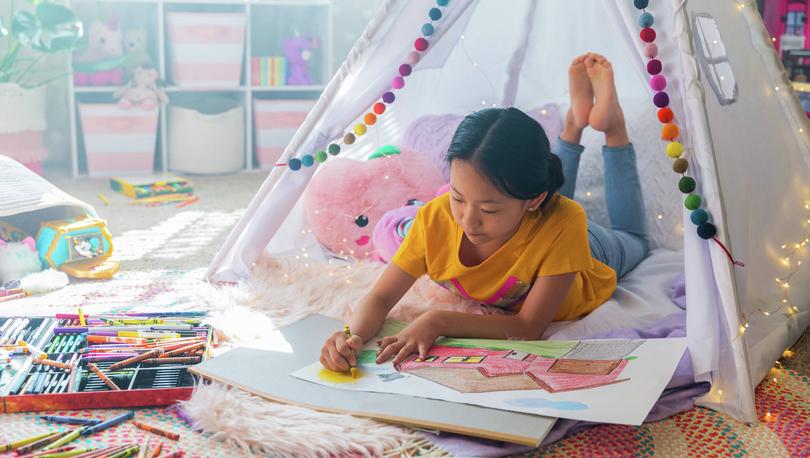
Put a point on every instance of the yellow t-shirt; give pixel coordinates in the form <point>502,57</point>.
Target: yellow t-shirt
<point>553,241</point>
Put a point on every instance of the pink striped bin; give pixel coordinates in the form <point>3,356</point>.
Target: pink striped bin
<point>117,140</point>
<point>207,49</point>
<point>276,122</point>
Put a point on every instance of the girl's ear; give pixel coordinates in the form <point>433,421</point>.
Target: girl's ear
<point>534,204</point>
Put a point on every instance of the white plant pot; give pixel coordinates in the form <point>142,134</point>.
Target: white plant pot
<point>21,109</point>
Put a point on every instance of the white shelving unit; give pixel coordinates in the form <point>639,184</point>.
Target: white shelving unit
<point>152,14</point>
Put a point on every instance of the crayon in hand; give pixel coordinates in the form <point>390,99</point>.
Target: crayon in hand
<point>348,333</point>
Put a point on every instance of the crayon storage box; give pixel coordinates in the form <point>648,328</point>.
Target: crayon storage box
<point>151,186</point>
<point>27,385</point>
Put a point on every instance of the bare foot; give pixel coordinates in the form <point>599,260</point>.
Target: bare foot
<point>606,115</point>
<point>580,90</point>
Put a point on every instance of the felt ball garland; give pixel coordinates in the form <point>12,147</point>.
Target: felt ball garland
<point>670,131</point>
<point>370,118</point>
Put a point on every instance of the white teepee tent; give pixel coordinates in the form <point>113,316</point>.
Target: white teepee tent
<point>744,133</point>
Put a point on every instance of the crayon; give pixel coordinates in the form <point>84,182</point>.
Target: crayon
<point>103,377</point>
<point>11,297</point>
<point>68,453</point>
<point>71,420</point>
<point>54,344</point>
<point>82,321</point>
<point>17,444</point>
<point>70,437</point>
<point>107,358</point>
<point>135,359</point>
<point>9,292</point>
<point>126,452</point>
<point>111,422</point>
<point>177,454</point>
<point>39,443</point>
<point>47,452</point>
<point>148,335</point>
<point>177,360</point>
<point>156,452</point>
<point>348,333</point>
<point>105,339</point>
<point>155,430</point>
<point>52,363</point>
<point>183,350</point>
<point>103,198</point>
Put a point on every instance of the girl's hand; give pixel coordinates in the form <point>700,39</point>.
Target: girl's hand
<point>418,337</point>
<point>340,353</point>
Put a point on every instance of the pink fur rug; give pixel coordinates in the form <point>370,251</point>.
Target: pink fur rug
<point>283,291</point>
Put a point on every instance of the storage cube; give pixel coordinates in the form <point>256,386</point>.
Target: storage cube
<point>207,49</point>
<point>206,143</point>
<point>117,140</point>
<point>276,122</point>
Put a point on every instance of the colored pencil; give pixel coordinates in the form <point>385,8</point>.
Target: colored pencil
<point>103,377</point>
<point>155,430</point>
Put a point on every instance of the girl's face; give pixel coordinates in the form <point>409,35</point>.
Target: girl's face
<point>485,214</point>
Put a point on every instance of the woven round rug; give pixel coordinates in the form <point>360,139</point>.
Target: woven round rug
<point>783,406</point>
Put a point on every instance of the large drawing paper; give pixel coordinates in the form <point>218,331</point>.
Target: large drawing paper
<point>266,373</point>
<point>609,381</point>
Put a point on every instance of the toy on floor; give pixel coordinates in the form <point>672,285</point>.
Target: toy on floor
<point>151,186</point>
<point>347,197</point>
<point>101,61</point>
<point>144,90</point>
<point>81,247</point>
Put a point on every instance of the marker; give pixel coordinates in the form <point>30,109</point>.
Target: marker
<point>348,333</point>
<point>106,424</point>
<point>71,420</point>
<point>103,377</point>
<point>66,439</point>
<point>155,430</point>
<point>33,443</point>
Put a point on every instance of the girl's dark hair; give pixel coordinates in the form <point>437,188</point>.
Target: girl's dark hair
<point>511,149</point>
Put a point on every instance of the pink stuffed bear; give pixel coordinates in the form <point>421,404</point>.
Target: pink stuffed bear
<point>347,198</point>
<point>104,42</point>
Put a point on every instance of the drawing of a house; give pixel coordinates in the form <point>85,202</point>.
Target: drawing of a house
<point>476,370</point>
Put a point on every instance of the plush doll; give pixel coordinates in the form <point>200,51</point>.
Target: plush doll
<point>298,51</point>
<point>347,197</point>
<point>432,134</point>
<point>18,259</point>
<point>135,41</point>
<point>103,44</point>
<point>144,90</point>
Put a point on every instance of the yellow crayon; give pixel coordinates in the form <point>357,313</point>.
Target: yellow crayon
<point>103,199</point>
<point>17,444</point>
<point>82,321</point>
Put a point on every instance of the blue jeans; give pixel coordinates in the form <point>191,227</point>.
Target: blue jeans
<point>626,244</point>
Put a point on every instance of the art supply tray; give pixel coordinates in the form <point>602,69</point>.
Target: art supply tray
<point>27,386</point>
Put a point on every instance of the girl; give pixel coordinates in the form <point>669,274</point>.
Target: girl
<point>508,234</point>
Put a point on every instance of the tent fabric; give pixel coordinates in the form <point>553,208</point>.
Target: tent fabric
<point>750,155</point>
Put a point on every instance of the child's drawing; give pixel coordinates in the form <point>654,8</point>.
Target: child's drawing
<point>477,370</point>
<point>614,381</point>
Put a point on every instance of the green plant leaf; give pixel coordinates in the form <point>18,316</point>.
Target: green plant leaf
<point>52,29</point>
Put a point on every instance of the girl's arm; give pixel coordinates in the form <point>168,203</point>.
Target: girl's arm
<point>339,353</point>
<point>538,310</point>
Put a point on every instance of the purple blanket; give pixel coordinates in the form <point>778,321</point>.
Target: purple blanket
<point>677,397</point>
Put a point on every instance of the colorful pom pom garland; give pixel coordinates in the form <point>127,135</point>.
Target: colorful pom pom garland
<point>420,45</point>
<point>670,131</point>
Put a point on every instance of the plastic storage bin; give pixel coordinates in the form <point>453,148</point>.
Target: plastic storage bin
<point>118,141</point>
<point>207,49</point>
<point>276,122</point>
<point>206,135</point>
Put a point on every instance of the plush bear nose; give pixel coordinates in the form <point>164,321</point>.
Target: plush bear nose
<point>361,221</point>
